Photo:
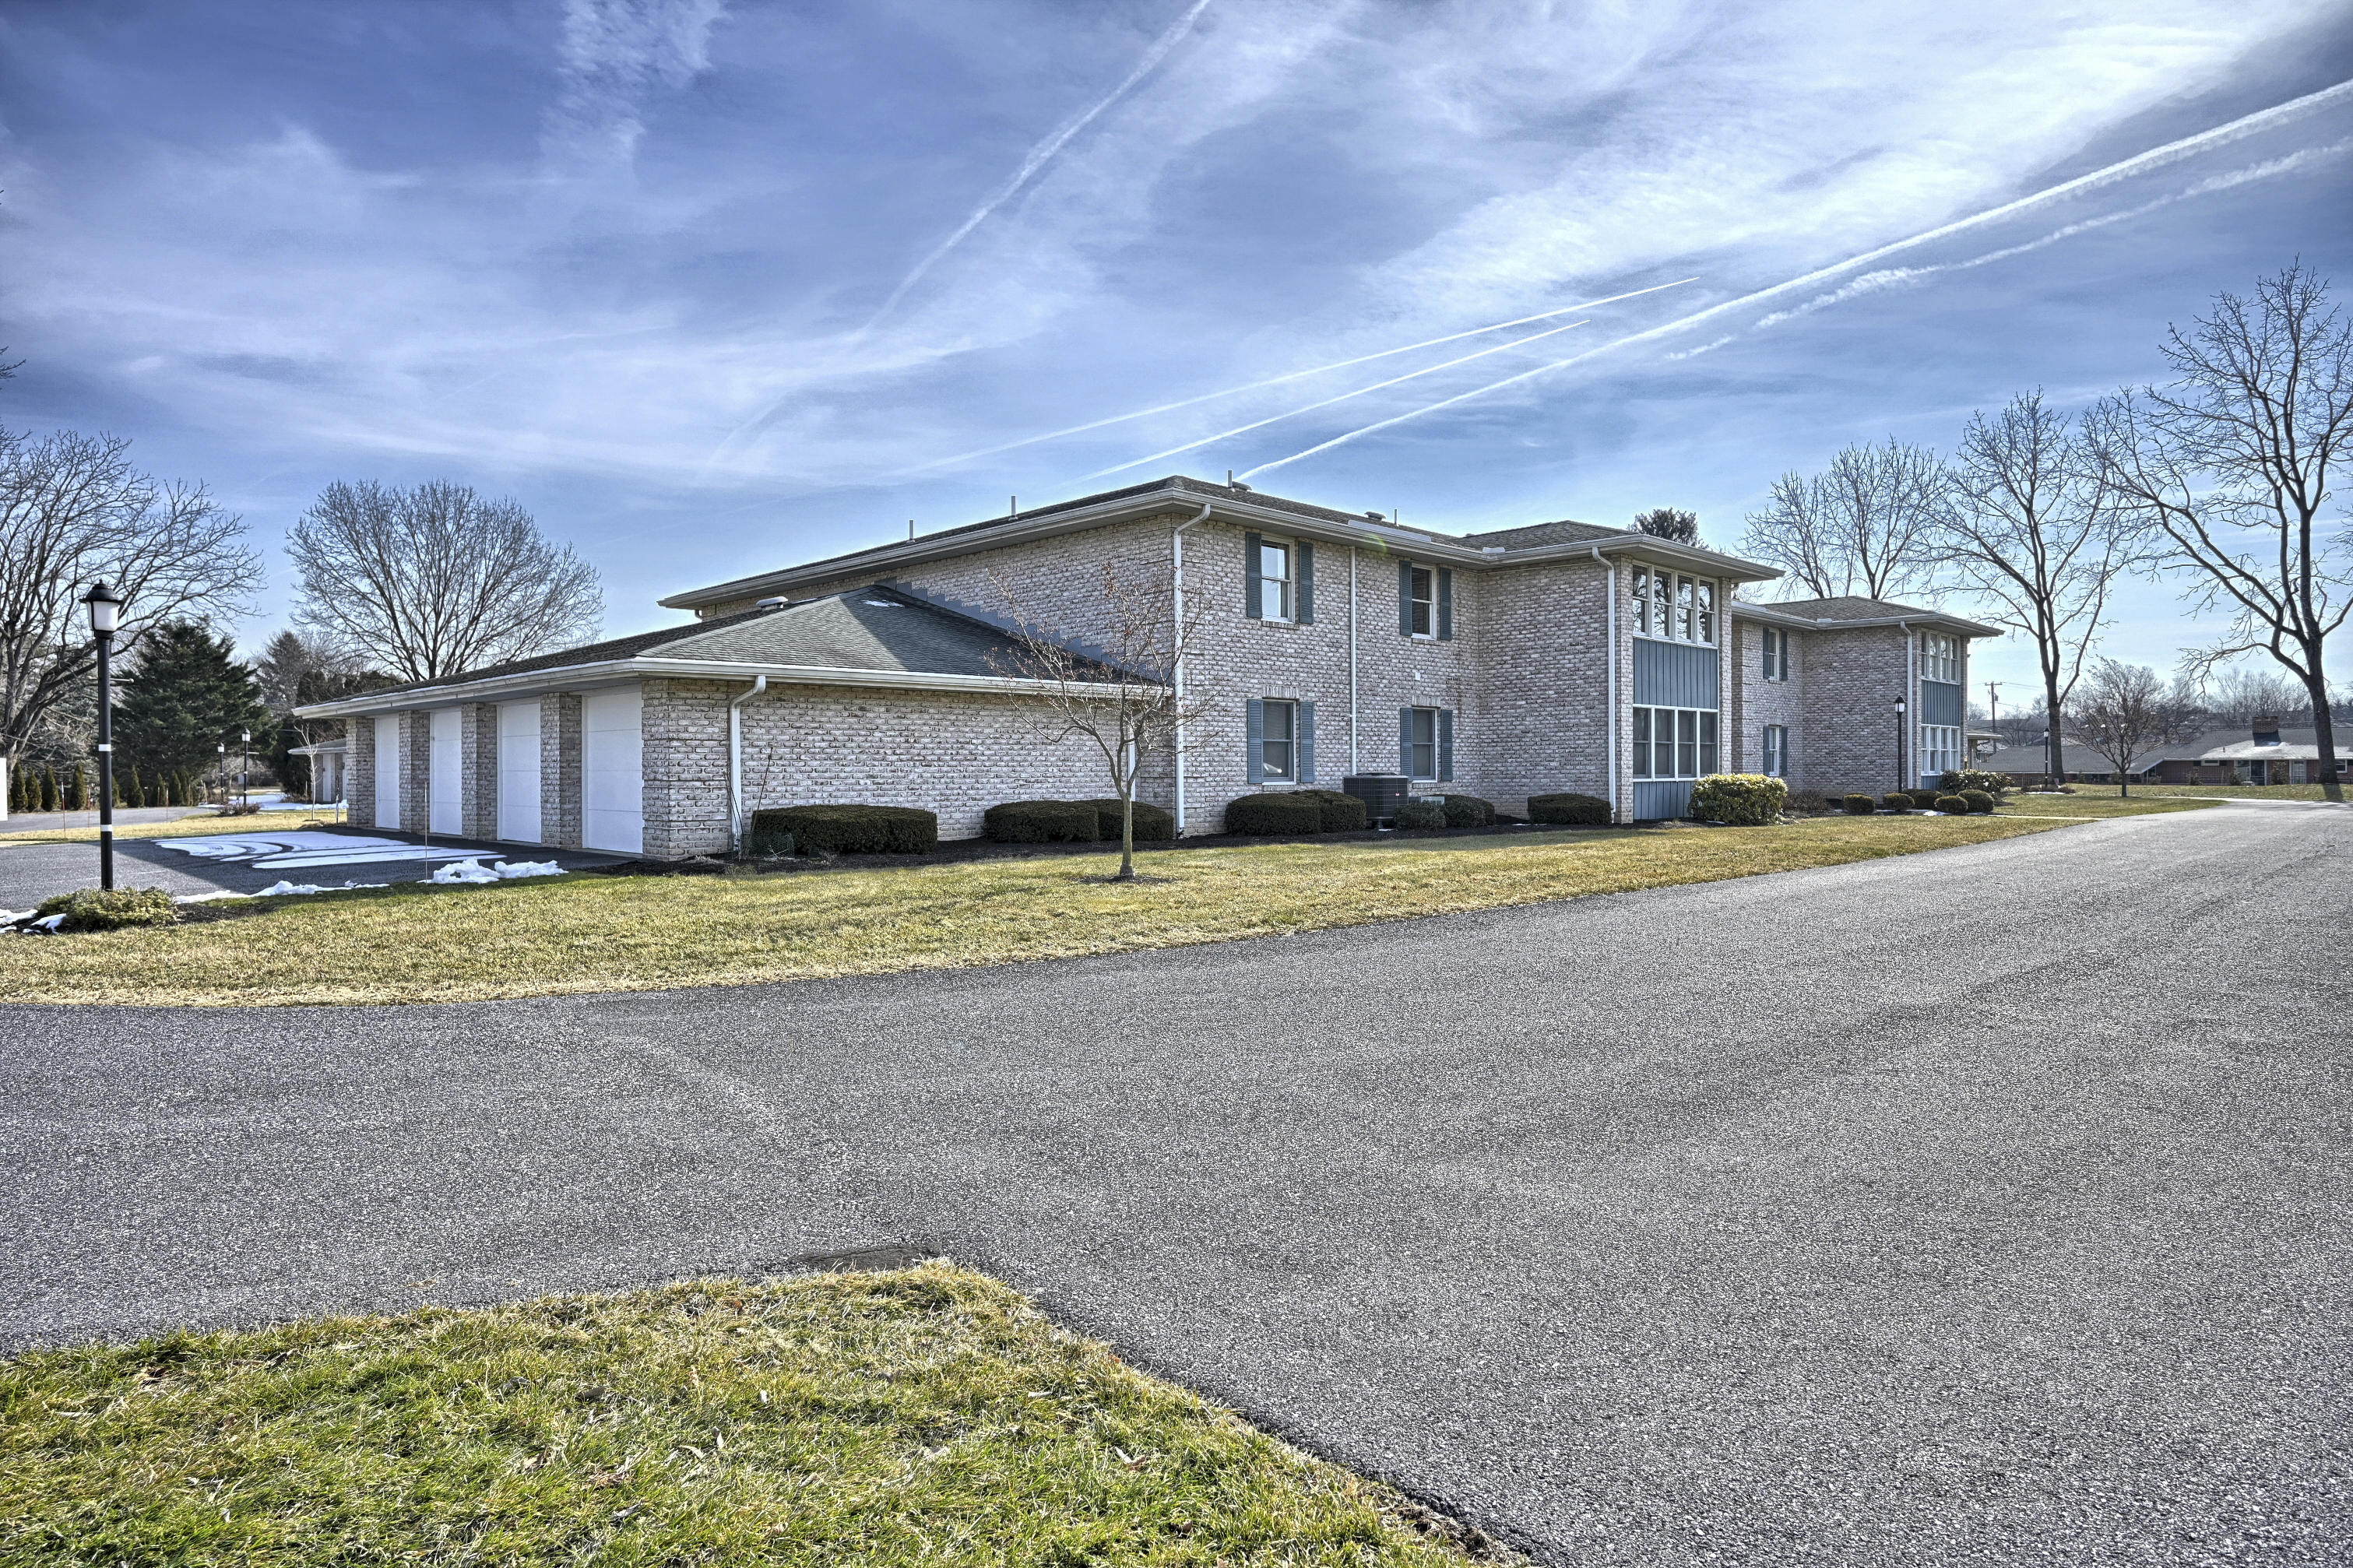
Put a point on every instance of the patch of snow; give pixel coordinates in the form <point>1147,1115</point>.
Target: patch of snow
<point>475,873</point>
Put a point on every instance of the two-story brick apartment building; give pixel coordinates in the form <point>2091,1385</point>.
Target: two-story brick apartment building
<point>1561,656</point>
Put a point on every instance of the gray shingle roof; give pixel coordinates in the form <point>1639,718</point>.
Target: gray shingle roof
<point>1564,531</point>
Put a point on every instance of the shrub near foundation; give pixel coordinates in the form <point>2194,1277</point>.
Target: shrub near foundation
<point>1044,822</point>
<point>1340,812</point>
<point>1415,814</point>
<point>1980,801</point>
<point>1899,801</point>
<point>1468,811</point>
<point>852,829</point>
<point>1952,806</point>
<point>1739,800</point>
<point>1569,810</point>
<point>1274,816</point>
<point>1152,824</point>
<point>1860,805</point>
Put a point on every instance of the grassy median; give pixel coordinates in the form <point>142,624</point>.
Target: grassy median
<point>196,827</point>
<point>924,1415</point>
<point>588,933</point>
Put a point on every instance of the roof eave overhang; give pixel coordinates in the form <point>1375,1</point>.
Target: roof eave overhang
<point>1239,511</point>
<point>1808,623</point>
<point>622,671</point>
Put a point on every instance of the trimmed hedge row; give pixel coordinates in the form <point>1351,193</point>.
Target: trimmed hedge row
<point>1569,810</point>
<point>1072,822</point>
<point>1739,800</point>
<point>850,829</point>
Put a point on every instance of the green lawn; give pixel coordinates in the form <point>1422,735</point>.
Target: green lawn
<point>186,827</point>
<point>923,1416</point>
<point>2093,804</point>
<point>584,934</point>
<point>2213,791</point>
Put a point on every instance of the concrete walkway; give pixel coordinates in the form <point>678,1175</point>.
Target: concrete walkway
<point>1985,1206</point>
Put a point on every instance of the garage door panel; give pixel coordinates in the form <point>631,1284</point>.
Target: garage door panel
<point>446,775</point>
<point>612,770</point>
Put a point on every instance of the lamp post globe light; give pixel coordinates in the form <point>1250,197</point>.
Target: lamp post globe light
<point>105,614</point>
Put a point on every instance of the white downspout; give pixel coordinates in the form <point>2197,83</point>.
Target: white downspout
<point>1175,631</point>
<point>735,763</point>
<point>1353,727</point>
<point>1610,592</point>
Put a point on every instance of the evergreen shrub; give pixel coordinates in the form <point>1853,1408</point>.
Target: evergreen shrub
<point>1860,805</point>
<point>1274,816</point>
<point>1340,812</point>
<point>1980,801</point>
<point>1899,801</point>
<point>1960,781</point>
<point>1416,815</point>
<point>1468,811</point>
<point>1042,822</point>
<point>91,910</point>
<point>1569,810</point>
<point>1739,800</point>
<point>1153,824</point>
<point>852,829</point>
<point>1952,806</point>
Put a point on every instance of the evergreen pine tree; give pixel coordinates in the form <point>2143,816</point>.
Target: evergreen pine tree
<point>187,696</point>
<point>77,790</point>
<point>49,788</point>
<point>134,794</point>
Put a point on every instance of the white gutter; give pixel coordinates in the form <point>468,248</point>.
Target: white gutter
<point>620,671</point>
<point>1176,634</point>
<point>735,761</point>
<point>1610,592</point>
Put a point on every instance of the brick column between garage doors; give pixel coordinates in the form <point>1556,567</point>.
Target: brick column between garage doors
<point>359,772</point>
<point>477,754</point>
<point>415,771</point>
<point>559,769</point>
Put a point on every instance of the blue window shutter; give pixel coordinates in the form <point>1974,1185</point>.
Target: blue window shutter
<point>1303,584</point>
<point>1307,743</point>
<point>1445,604</point>
<point>1404,598</point>
<point>1405,741</point>
<point>1256,731</point>
<point>1445,745</point>
<point>1253,588</point>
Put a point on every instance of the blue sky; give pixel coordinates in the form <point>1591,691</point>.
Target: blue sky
<point>716,285</point>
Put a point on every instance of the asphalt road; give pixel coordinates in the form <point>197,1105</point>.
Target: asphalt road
<point>1989,1206</point>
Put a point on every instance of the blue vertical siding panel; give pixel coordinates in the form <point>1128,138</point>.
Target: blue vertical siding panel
<point>1674,675</point>
<point>1940,703</point>
<point>1657,800</point>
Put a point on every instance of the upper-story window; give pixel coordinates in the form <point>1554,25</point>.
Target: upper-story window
<point>1423,618</point>
<point>1275,599</point>
<point>1675,605</point>
<point>1941,657</point>
<point>1777,654</point>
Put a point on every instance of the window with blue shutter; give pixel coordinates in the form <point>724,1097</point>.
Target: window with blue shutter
<point>1425,739</point>
<point>1305,591</point>
<point>1307,743</point>
<point>1253,587</point>
<point>1445,604</point>
<point>1405,741</point>
<point>1255,742</point>
<point>1404,598</point>
<point>1445,745</point>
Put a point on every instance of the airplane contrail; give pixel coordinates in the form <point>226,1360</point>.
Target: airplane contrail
<point>1293,375</point>
<point>1043,154</point>
<point>2156,157</point>
<point>1328,403</point>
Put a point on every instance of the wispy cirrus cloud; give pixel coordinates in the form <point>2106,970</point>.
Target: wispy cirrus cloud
<point>613,54</point>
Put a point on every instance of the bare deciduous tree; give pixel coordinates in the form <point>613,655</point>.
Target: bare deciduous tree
<point>1862,526</point>
<point>2030,530</point>
<point>73,510</point>
<point>2121,714</point>
<point>1110,675</point>
<point>2226,468</point>
<point>433,580</point>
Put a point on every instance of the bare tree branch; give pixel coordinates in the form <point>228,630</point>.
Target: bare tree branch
<point>2122,714</point>
<point>1863,526</point>
<point>2225,473</point>
<point>434,580</point>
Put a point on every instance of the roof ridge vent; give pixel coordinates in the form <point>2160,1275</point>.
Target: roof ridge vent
<point>773,602</point>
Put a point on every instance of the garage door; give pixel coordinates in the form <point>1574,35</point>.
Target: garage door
<point>519,771</point>
<point>612,770</point>
<point>387,772</point>
<point>447,776</point>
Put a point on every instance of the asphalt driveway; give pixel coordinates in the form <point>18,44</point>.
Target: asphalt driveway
<point>1983,1206</point>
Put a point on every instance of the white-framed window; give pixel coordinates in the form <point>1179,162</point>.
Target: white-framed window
<point>1674,742</point>
<point>1777,654</point>
<point>1777,749</point>
<point>1278,744</point>
<point>1675,605</point>
<point>1940,749</point>
<point>1421,743</point>
<point>1277,598</point>
<point>1422,595</point>
<point>1941,657</point>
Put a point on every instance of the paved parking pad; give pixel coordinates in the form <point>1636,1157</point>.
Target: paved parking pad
<point>1987,1207</point>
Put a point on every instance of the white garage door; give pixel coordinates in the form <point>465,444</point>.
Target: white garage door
<point>387,772</point>
<point>612,770</point>
<point>447,776</point>
<point>519,771</point>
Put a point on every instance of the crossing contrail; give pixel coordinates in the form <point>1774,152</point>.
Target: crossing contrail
<point>1043,154</point>
<point>1342,398</point>
<point>1293,375</point>
<point>2156,157</point>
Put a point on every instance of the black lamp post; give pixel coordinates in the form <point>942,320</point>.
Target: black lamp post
<point>105,614</point>
<point>1902,782</point>
<point>244,766</point>
<point>220,749</point>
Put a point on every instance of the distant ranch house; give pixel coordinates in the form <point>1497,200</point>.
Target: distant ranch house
<point>2264,753</point>
<point>1558,657</point>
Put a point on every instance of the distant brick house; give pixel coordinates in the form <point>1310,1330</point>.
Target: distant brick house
<point>2263,754</point>
<point>1557,657</point>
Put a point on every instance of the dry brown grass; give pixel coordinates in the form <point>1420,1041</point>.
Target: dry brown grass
<point>590,933</point>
